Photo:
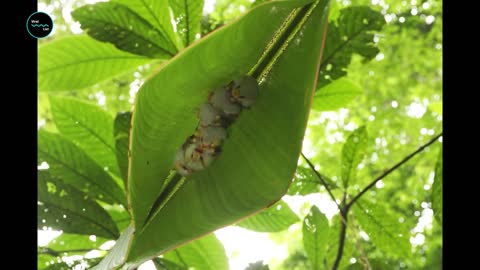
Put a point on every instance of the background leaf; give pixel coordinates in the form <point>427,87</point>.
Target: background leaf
<point>69,242</point>
<point>437,189</point>
<point>306,182</point>
<point>383,228</point>
<point>121,133</point>
<point>206,253</point>
<point>353,152</point>
<point>315,237</point>
<point>76,62</point>
<point>276,218</point>
<point>336,95</point>
<point>250,173</point>
<point>88,126</point>
<point>63,207</point>
<point>187,16</point>
<point>351,33</point>
<point>72,165</point>
<point>157,13</point>
<point>119,25</point>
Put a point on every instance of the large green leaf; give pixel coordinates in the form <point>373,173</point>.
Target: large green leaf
<point>157,13</point>
<point>88,126</point>
<point>353,152</point>
<point>336,95</point>
<point>65,208</point>
<point>351,33</point>
<point>187,16</point>
<point>72,165</point>
<point>276,218</point>
<point>437,189</point>
<point>76,62</point>
<point>121,133</point>
<point>259,157</point>
<point>121,26</point>
<point>315,237</point>
<point>383,228</point>
<point>206,253</point>
<point>117,255</point>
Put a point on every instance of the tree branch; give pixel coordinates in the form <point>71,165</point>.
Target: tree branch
<point>387,172</point>
<point>344,210</point>
<point>343,233</point>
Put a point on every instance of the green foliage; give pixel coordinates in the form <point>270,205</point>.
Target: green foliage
<point>305,182</point>
<point>157,13</point>
<point>383,228</point>
<point>276,218</point>
<point>78,61</point>
<point>205,253</point>
<point>352,154</point>
<point>187,15</point>
<point>437,189</point>
<point>121,26</point>
<point>73,166</point>
<point>63,207</point>
<point>315,235</point>
<point>336,95</point>
<point>67,242</point>
<point>351,33</point>
<point>88,126</point>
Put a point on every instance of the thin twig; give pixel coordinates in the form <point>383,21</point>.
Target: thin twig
<point>387,172</point>
<point>324,183</point>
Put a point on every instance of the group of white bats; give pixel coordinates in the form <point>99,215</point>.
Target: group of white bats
<point>224,105</point>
